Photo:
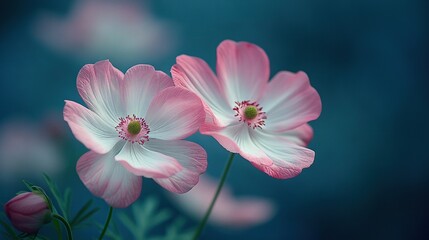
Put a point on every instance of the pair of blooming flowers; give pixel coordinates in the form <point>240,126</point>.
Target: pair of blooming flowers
<point>136,121</point>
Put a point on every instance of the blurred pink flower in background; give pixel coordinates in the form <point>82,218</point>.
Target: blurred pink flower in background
<point>124,31</point>
<point>28,211</point>
<point>134,127</point>
<point>229,211</point>
<point>265,122</point>
<point>26,149</point>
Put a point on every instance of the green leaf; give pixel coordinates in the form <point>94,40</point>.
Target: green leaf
<point>161,217</point>
<point>87,215</point>
<point>9,230</point>
<point>149,210</point>
<point>81,211</point>
<point>146,215</point>
<point>41,237</point>
<point>28,185</point>
<point>67,200</point>
<point>31,236</point>
<point>8,236</point>
<point>40,190</point>
<point>112,232</point>
<point>131,226</point>
<point>84,213</point>
<point>175,231</point>
<point>54,190</point>
<point>57,228</point>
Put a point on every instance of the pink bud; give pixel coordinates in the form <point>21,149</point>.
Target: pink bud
<point>28,212</point>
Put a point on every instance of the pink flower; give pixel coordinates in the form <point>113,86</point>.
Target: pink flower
<point>121,30</point>
<point>265,122</point>
<point>228,211</point>
<point>133,128</point>
<point>28,212</point>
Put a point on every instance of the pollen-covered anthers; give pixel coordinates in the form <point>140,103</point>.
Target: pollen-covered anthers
<point>250,113</point>
<point>133,129</point>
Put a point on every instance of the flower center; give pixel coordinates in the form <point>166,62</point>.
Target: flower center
<point>133,129</point>
<point>250,113</point>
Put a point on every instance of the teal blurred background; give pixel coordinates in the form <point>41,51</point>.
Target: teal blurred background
<point>368,60</point>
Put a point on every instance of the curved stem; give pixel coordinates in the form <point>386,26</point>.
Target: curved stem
<point>219,187</point>
<point>106,224</point>
<point>66,224</point>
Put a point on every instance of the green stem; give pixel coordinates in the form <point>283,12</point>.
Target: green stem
<point>66,224</point>
<point>219,187</point>
<point>58,229</point>
<point>106,224</point>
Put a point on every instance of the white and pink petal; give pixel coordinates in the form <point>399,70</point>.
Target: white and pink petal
<point>175,113</point>
<point>100,86</point>
<point>280,156</point>
<point>301,135</point>
<point>290,101</point>
<point>108,179</point>
<point>142,161</point>
<point>89,128</point>
<point>243,70</point>
<point>191,156</point>
<point>141,84</point>
<point>195,75</point>
<point>289,158</point>
<point>239,138</point>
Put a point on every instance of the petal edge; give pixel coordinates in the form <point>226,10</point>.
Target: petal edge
<point>89,128</point>
<point>106,178</point>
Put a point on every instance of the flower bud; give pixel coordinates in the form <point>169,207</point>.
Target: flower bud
<point>28,211</point>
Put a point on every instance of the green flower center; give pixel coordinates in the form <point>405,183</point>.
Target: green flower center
<point>250,112</point>
<point>134,127</point>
